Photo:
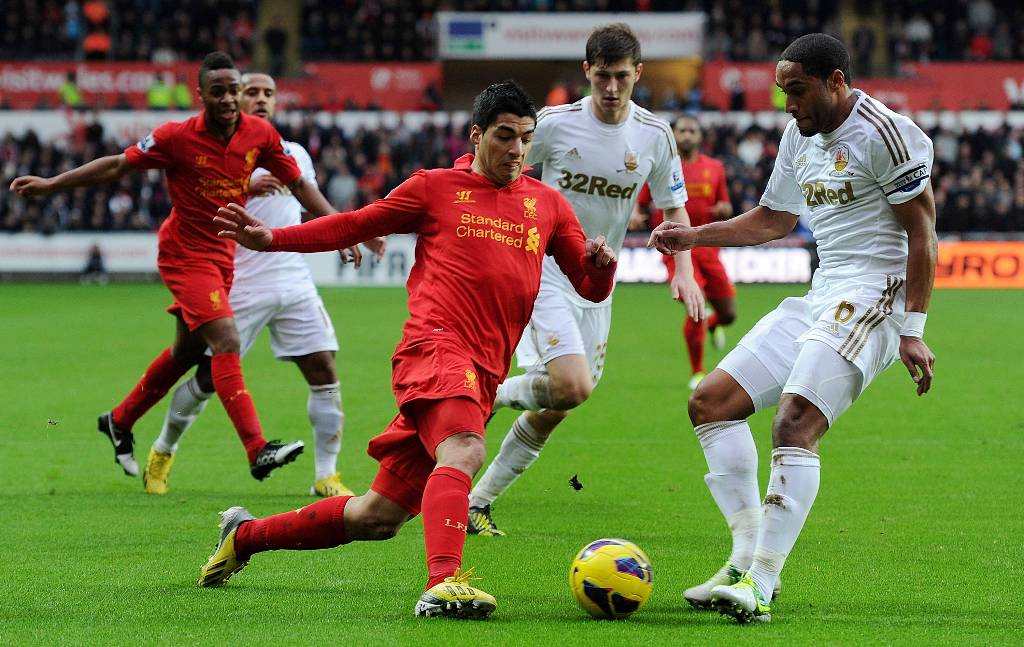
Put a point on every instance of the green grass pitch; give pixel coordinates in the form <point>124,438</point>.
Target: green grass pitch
<point>915,536</point>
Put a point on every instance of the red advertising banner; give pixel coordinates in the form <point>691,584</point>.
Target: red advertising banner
<point>927,86</point>
<point>331,86</point>
<point>980,265</point>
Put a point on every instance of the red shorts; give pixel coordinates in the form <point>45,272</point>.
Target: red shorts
<point>200,289</point>
<point>708,271</point>
<point>440,393</point>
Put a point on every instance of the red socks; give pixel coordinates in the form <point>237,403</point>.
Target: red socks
<point>158,378</point>
<point>318,525</point>
<point>445,519</point>
<point>693,333</point>
<point>226,369</point>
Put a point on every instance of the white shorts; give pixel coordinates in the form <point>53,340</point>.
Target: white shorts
<point>559,327</point>
<point>856,323</point>
<point>299,324</point>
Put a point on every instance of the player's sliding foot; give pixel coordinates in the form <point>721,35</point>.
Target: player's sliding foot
<point>699,596</point>
<point>718,338</point>
<point>455,598</point>
<point>695,380</point>
<point>158,471</point>
<point>273,455</point>
<point>742,601</point>
<point>482,523</point>
<point>224,562</point>
<point>330,486</point>
<point>123,442</point>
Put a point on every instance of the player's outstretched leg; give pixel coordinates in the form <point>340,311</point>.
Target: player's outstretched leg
<point>117,424</point>
<point>187,402</point>
<point>318,525</point>
<point>693,335</point>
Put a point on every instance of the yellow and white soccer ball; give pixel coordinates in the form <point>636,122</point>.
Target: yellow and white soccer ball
<point>611,578</point>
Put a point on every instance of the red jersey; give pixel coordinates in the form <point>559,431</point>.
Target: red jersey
<point>478,255</point>
<point>204,173</point>
<point>705,187</point>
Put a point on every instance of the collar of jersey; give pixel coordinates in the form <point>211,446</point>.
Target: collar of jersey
<point>602,127</point>
<point>828,138</point>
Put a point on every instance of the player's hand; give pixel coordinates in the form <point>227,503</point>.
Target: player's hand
<point>377,246</point>
<point>599,253</point>
<point>686,291</point>
<point>240,225</point>
<point>919,360</point>
<point>31,185</point>
<point>351,255</point>
<point>637,221</point>
<point>265,184</point>
<point>672,237</point>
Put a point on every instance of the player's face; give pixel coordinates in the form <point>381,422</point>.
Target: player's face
<point>220,91</point>
<point>259,95</point>
<point>808,98</point>
<point>688,135</point>
<point>611,86</point>
<point>501,149</point>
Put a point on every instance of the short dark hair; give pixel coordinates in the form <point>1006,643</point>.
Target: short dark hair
<point>216,61</point>
<point>507,96</point>
<point>819,55</point>
<point>613,43</point>
<point>689,116</point>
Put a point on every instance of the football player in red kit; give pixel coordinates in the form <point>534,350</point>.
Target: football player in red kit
<point>707,201</point>
<point>483,229</point>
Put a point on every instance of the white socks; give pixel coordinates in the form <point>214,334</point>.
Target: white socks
<point>519,450</point>
<point>791,492</point>
<point>324,407</point>
<point>732,478</point>
<point>527,392</point>
<point>187,402</point>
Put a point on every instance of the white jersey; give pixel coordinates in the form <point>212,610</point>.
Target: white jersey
<point>846,181</point>
<point>600,168</point>
<point>279,271</point>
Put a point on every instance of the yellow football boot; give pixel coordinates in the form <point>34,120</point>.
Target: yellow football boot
<point>158,471</point>
<point>455,598</point>
<point>224,562</point>
<point>330,486</point>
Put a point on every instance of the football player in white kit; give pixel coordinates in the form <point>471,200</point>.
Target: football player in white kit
<point>598,152</point>
<point>275,291</point>
<point>860,172</point>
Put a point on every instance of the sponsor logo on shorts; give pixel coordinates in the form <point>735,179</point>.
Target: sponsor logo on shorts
<point>844,312</point>
<point>470,382</point>
<point>553,340</point>
<point>215,301</point>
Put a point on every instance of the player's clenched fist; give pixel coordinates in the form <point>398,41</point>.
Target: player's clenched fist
<point>243,227</point>
<point>30,185</point>
<point>601,254</point>
<point>672,237</point>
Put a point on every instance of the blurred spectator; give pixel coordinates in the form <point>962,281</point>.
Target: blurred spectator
<point>68,92</point>
<point>159,94</point>
<point>558,94</point>
<point>96,45</point>
<point>182,94</point>
<point>276,39</point>
<point>95,270</point>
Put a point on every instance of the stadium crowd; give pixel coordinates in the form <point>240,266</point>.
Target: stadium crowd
<point>405,30</point>
<point>978,175</point>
